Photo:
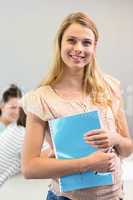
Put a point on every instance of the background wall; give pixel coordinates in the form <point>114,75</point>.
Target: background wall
<point>28,27</point>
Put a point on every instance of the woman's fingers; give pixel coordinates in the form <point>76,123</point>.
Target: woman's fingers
<point>95,132</point>
<point>95,137</point>
<point>112,164</point>
<point>103,162</point>
<point>99,140</point>
<point>99,143</point>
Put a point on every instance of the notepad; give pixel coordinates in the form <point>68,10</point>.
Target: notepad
<point>67,136</point>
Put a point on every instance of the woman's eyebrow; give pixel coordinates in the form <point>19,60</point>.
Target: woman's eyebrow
<point>74,37</point>
<point>71,36</point>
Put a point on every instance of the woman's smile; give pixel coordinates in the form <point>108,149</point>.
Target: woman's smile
<point>77,46</point>
<point>76,58</point>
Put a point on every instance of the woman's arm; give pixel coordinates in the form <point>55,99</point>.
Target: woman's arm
<point>124,143</point>
<point>120,139</point>
<point>34,165</point>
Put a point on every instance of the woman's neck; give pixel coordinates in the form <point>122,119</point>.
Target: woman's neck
<point>71,79</point>
<point>4,121</point>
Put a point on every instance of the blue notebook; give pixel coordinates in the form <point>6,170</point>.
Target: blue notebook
<point>67,136</point>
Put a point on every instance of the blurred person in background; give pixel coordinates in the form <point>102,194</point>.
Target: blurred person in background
<point>9,106</point>
<point>11,141</point>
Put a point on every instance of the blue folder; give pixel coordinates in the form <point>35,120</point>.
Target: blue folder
<point>67,136</point>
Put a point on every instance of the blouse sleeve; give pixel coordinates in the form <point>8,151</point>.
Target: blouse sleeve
<point>34,103</point>
<point>117,99</point>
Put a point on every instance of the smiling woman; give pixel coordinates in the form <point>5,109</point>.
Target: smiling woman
<point>78,46</point>
<point>75,85</point>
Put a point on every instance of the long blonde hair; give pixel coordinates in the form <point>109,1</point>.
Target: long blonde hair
<point>93,83</point>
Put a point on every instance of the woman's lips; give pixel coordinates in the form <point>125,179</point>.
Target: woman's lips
<point>77,57</point>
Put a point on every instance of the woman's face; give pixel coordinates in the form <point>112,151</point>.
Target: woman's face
<point>77,46</point>
<point>10,110</point>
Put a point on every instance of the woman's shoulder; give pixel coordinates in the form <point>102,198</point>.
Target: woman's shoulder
<point>42,89</point>
<point>36,94</point>
<point>38,91</point>
<point>35,102</point>
<point>15,127</point>
<point>113,83</point>
<point>13,131</point>
<point>111,80</point>
<point>2,126</point>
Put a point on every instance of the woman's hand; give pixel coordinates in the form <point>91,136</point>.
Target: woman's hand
<point>101,138</point>
<point>100,162</point>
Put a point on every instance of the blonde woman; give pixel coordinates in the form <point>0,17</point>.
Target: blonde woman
<point>74,85</point>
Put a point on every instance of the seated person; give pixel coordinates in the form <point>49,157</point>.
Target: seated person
<point>11,141</point>
<point>9,106</point>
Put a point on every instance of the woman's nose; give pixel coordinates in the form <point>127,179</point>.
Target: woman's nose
<point>78,47</point>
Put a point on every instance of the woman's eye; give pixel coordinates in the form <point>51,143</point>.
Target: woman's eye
<point>71,41</point>
<point>87,43</point>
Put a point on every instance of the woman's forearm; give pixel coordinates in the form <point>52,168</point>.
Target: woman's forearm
<point>44,168</point>
<point>124,145</point>
<point>39,167</point>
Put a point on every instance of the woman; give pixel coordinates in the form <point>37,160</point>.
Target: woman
<point>74,85</point>
<point>9,107</point>
<point>10,148</point>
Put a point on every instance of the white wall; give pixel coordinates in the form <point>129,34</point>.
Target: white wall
<point>27,30</point>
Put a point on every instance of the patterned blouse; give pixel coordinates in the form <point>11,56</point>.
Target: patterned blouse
<point>45,103</point>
